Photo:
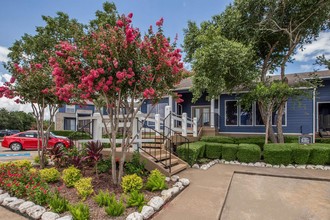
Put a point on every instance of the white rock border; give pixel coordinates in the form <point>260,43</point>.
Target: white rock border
<point>156,202</point>
<point>259,164</point>
<point>25,208</point>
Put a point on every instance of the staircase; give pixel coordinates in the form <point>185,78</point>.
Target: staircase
<point>158,152</point>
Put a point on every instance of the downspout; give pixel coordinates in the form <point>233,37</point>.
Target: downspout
<point>314,114</point>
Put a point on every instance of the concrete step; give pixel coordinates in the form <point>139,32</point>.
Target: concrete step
<point>169,162</point>
<point>152,145</point>
<point>177,168</point>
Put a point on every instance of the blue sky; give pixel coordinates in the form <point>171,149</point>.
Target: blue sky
<point>22,16</point>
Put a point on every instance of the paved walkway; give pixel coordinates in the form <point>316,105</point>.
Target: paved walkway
<point>8,215</point>
<point>205,196</point>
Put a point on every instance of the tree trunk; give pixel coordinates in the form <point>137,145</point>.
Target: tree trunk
<point>264,112</point>
<point>280,112</point>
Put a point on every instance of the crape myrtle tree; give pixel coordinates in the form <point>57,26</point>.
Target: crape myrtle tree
<point>32,80</point>
<point>115,66</point>
<point>271,30</point>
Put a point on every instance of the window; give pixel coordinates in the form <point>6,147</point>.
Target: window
<point>157,109</point>
<point>274,117</point>
<point>28,135</point>
<point>70,124</point>
<point>259,120</point>
<point>231,112</point>
<point>70,109</point>
<point>246,115</point>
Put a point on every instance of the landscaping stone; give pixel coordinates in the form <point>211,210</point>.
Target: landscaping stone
<point>204,167</point>
<point>15,204</point>
<point>231,162</point>
<point>166,197</point>
<point>226,162</point>
<point>276,166</point>
<point>156,202</point>
<point>3,196</point>
<point>24,206</point>
<point>174,190</point>
<point>179,185</point>
<point>175,178</point>
<point>263,164</point>
<point>244,164</point>
<point>310,167</point>
<point>135,216</point>
<point>290,166</point>
<point>49,216</point>
<point>147,212</point>
<point>184,181</point>
<point>257,164</point>
<point>222,161</point>
<point>251,164</point>
<point>8,200</point>
<point>326,167</point>
<point>36,211</point>
<point>195,166</point>
<point>67,217</point>
<point>1,191</point>
<point>319,167</point>
<point>269,165</point>
<point>301,166</point>
<point>167,179</point>
<point>282,166</point>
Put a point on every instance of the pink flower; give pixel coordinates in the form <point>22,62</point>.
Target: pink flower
<point>120,75</point>
<point>115,63</point>
<point>59,53</point>
<point>12,79</point>
<point>130,15</point>
<point>100,62</point>
<point>38,66</point>
<point>160,22</point>
<point>120,23</point>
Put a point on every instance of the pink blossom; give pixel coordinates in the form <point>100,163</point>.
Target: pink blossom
<point>59,53</point>
<point>130,15</point>
<point>38,66</point>
<point>100,62</point>
<point>12,79</point>
<point>160,22</point>
<point>120,75</point>
<point>120,23</point>
<point>115,63</point>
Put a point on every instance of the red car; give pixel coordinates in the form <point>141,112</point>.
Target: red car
<point>28,140</point>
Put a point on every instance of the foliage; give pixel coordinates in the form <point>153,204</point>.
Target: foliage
<point>136,199</point>
<point>84,187</point>
<point>93,150</point>
<point>300,153</point>
<point>323,61</point>
<point>74,156</point>
<point>113,65</point>
<point>131,183</point>
<point>248,153</point>
<point>15,120</point>
<point>212,150</point>
<point>104,166</point>
<point>196,150</point>
<point>115,208</point>
<point>56,154</point>
<point>70,176</point>
<point>36,159</point>
<point>58,203</point>
<point>135,165</point>
<point>79,211</point>
<point>319,154</point>
<point>229,151</point>
<point>50,174</point>
<point>156,181</point>
<point>72,134</point>
<point>22,163</point>
<point>219,139</point>
<point>277,154</point>
<point>104,198</point>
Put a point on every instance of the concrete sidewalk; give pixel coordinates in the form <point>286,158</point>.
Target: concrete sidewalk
<point>8,215</point>
<point>205,196</point>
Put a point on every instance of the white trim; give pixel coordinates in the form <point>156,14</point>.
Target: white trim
<point>226,113</point>
<point>314,91</point>
<point>260,133</point>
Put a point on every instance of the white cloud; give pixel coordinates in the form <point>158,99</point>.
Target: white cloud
<point>3,54</point>
<point>306,67</point>
<point>317,48</point>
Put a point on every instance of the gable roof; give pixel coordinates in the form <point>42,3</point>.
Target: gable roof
<point>292,78</point>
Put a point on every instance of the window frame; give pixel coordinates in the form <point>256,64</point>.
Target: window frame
<point>237,119</point>
<point>67,107</point>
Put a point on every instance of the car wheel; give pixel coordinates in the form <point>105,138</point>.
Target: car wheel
<point>15,146</point>
<point>59,145</point>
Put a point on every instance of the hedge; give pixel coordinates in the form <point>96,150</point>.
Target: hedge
<point>248,153</point>
<point>260,141</point>
<point>322,140</point>
<point>212,150</point>
<point>219,139</point>
<point>229,151</point>
<point>319,154</point>
<point>72,134</point>
<point>191,155</point>
<point>300,153</point>
<point>277,154</point>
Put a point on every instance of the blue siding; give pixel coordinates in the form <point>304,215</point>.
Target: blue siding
<point>62,109</point>
<point>323,93</point>
<point>187,104</point>
<point>82,107</point>
<point>146,102</point>
<point>299,117</point>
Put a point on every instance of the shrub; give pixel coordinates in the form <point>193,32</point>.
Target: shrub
<point>104,198</point>
<point>278,154</point>
<point>50,174</point>
<point>115,208</point>
<point>57,203</point>
<point>84,187</point>
<point>213,150</point>
<point>300,153</point>
<point>136,199</point>
<point>291,139</point>
<point>260,141</point>
<point>319,154</point>
<point>23,163</point>
<point>103,166</point>
<point>135,166</point>
<point>36,159</point>
<point>131,183</point>
<point>322,140</point>
<point>191,155</point>
<point>229,151</point>
<point>248,153</point>
<point>37,192</point>
<point>219,139</point>
<point>70,176</point>
<point>79,211</point>
<point>156,181</point>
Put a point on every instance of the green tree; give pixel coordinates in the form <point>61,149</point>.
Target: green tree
<point>32,81</point>
<point>274,30</point>
<point>323,61</point>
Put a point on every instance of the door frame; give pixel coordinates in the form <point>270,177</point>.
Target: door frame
<point>201,106</point>
<point>317,114</point>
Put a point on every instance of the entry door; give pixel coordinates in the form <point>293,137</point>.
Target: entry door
<point>202,113</point>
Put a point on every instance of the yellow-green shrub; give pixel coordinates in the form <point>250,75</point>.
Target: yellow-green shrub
<point>156,181</point>
<point>84,187</point>
<point>23,163</point>
<point>70,176</point>
<point>33,170</point>
<point>50,174</point>
<point>131,183</point>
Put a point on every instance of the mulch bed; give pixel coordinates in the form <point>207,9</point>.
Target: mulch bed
<point>104,183</point>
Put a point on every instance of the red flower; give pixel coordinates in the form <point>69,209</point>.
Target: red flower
<point>120,23</point>
<point>160,22</point>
